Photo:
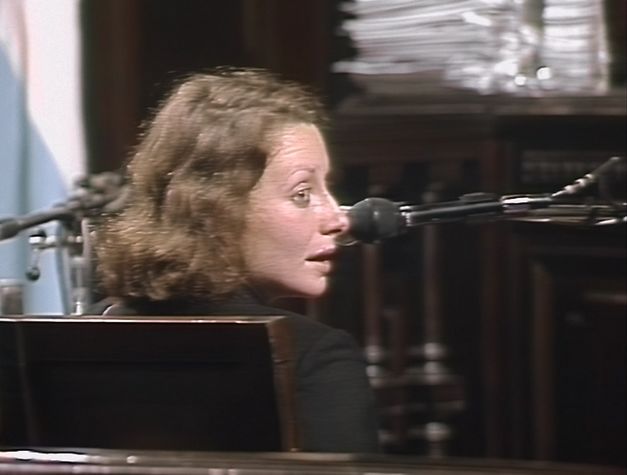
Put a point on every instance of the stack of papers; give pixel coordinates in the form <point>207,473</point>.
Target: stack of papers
<point>575,46</point>
<point>426,46</point>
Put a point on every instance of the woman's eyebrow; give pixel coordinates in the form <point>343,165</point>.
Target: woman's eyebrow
<point>308,170</point>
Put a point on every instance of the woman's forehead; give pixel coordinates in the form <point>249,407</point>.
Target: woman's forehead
<point>299,146</point>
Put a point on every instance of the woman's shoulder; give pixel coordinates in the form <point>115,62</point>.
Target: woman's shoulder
<point>308,333</point>
<point>316,341</point>
<point>310,328</point>
<point>310,336</point>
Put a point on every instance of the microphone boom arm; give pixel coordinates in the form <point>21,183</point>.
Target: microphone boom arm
<point>94,197</point>
<point>476,206</point>
<point>374,218</point>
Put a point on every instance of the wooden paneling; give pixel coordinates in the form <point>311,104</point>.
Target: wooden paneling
<point>575,295</point>
<point>493,296</point>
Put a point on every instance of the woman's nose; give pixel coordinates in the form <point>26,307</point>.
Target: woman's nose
<point>335,220</point>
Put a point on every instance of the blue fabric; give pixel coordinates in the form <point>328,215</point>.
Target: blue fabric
<point>29,181</point>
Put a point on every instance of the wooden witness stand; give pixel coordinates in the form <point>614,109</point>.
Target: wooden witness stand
<point>201,383</point>
<point>117,462</point>
<point>140,393</point>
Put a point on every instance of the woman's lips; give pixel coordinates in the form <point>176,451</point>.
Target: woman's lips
<point>323,255</point>
<point>323,259</point>
<point>324,267</point>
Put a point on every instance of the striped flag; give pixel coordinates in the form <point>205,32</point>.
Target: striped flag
<point>42,147</point>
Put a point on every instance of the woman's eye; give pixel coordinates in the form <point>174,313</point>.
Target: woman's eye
<point>302,197</point>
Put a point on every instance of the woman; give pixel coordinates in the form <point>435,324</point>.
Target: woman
<point>228,211</point>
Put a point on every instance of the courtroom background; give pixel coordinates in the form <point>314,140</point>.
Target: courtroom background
<point>495,340</point>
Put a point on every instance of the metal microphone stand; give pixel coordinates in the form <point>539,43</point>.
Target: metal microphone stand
<point>72,238</point>
<point>565,206</point>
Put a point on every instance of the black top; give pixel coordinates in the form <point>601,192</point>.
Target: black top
<point>334,398</point>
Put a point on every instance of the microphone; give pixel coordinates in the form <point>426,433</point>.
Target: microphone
<point>374,219</point>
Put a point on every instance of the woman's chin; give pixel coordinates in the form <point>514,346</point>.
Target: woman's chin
<point>309,290</point>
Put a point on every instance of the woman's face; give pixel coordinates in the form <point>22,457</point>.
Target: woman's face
<point>293,220</point>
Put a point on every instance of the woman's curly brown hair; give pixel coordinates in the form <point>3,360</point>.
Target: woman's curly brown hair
<point>190,178</point>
